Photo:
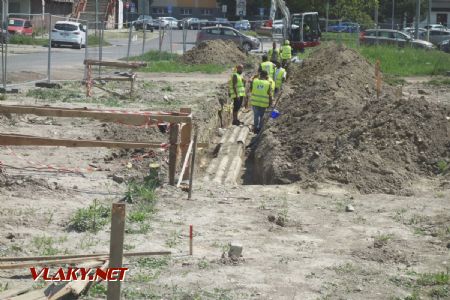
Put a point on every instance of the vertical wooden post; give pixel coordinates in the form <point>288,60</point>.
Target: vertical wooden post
<point>191,177</point>
<point>173,149</point>
<point>186,135</point>
<point>191,237</point>
<point>116,247</point>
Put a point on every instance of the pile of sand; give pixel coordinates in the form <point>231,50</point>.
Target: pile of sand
<point>215,52</point>
<point>333,127</point>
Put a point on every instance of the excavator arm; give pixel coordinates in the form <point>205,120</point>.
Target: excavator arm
<point>280,4</point>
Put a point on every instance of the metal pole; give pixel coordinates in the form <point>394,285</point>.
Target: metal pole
<point>393,14</point>
<point>428,20</point>
<point>129,42</point>
<point>100,52</point>
<point>416,33</point>
<point>184,36</point>
<point>96,17</point>
<point>86,51</point>
<point>144,26</point>
<point>171,50</point>
<point>49,59</point>
<point>327,9</point>
<point>376,23</point>
<point>160,38</point>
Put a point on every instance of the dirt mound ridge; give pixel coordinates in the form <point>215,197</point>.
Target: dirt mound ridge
<point>333,127</point>
<point>214,52</point>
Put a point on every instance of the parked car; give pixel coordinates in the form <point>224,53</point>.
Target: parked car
<point>391,37</point>
<point>435,26</point>
<point>189,23</point>
<point>445,46</point>
<point>166,22</point>
<point>242,25</point>
<point>20,26</point>
<point>228,33</point>
<point>343,27</point>
<point>143,19</point>
<point>436,35</point>
<point>68,33</point>
<point>277,26</point>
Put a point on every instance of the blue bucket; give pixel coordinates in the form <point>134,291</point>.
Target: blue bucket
<point>274,114</point>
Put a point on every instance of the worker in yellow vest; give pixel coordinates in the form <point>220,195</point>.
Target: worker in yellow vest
<point>279,77</point>
<point>286,54</point>
<point>274,53</point>
<point>237,92</point>
<point>261,99</point>
<point>267,66</point>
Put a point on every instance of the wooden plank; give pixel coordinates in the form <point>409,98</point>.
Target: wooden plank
<point>49,262</point>
<point>118,64</point>
<point>124,117</point>
<point>54,257</point>
<point>14,292</point>
<point>173,149</point>
<point>24,140</point>
<point>185,163</point>
<point>119,78</point>
<point>116,247</point>
<point>186,138</point>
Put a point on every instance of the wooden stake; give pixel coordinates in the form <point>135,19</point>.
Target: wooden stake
<point>191,238</point>
<point>185,139</point>
<point>173,149</point>
<point>116,247</point>
<point>378,78</point>
<point>191,177</point>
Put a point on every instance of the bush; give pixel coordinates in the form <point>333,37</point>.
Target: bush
<point>90,219</point>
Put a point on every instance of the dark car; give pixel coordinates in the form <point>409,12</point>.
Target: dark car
<point>230,34</point>
<point>391,37</point>
<point>343,27</point>
<point>147,20</point>
<point>445,46</point>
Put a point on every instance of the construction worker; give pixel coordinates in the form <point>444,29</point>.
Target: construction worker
<point>279,77</point>
<point>267,66</point>
<point>237,92</point>
<point>286,54</point>
<point>274,53</point>
<point>261,99</point>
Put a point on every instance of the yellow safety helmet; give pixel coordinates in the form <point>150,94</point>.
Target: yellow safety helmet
<point>286,42</point>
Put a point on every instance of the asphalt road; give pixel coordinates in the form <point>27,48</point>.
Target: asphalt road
<point>68,58</point>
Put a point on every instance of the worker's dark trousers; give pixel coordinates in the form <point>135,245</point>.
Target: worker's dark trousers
<point>258,116</point>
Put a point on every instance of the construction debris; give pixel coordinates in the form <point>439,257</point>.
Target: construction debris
<point>214,52</point>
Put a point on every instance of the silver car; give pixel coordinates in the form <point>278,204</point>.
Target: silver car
<point>391,37</point>
<point>436,36</point>
<point>227,33</point>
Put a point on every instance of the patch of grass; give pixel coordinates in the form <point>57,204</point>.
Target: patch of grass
<point>97,290</point>
<point>27,40</point>
<point>442,166</point>
<point>3,287</point>
<point>170,62</point>
<point>438,82</point>
<point>95,41</point>
<point>137,216</point>
<point>173,239</point>
<point>167,89</point>
<point>45,245</point>
<point>91,219</point>
<point>203,264</point>
<point>153,263</point>
<point>407,61</point>
<point>432,279</point>
<point>53,94</point>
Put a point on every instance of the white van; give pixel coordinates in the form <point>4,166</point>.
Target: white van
<point>68,33</point>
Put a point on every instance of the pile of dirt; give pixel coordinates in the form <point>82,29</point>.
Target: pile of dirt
<point>215,52</point>
<point>333,127</point>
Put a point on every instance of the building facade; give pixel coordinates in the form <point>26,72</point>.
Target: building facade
<point>203,9</point>
<point>440,12</point>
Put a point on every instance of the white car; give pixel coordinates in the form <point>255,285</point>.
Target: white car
<point>68,33</point>
<point>277,26</point>
<point>435,27</point>
<point>168,22</point>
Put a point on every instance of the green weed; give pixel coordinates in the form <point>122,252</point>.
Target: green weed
<point>45,245</point>
<point>91,219</point>
<point>438,82</point>
<point>431,279</point>
<point>137,216</point>
<point>167,89</point>
<point>203,264</point>
<point>3,287</point>
<point>27,40</point>
<point>172,240</point>
<point>153,263</point>
<point>442,166</point>
<point>97,290</point>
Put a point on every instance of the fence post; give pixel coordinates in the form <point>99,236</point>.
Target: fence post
<point>173,149</point>
<point>144,27</point>
<point>129,41</point>
<point>86,50</point>
<point>160,39</point>
<point>100,52</point>
<point>170,28</point>
<point>49,47</point>
<point>116,247</point>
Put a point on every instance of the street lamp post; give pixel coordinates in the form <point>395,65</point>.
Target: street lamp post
<point>393,14</point>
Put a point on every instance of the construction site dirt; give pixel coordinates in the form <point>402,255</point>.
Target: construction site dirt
<point>343,198</point>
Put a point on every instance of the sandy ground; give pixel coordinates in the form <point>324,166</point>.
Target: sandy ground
<point>314,249</point>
